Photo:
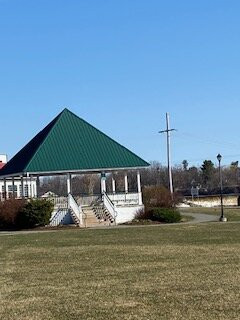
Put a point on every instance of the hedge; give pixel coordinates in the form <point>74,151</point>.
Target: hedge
<point>22,214</point>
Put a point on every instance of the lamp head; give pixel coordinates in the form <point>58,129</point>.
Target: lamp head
<point>219,157</point>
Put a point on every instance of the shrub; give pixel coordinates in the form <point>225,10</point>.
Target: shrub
<point>35,213</point>
<point>142,214</point>
<point>9,210</point>
<point>165,215</point>
<point>159,197</point>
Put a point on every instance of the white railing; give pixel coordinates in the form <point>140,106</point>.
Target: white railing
<point>77,210</point>
<point>119,199</point>
<point>59,202</point>
<point>124,198</point>
<point>109,205</point>
<point>58,217</point>
<point>87,200</point>
<point>60,210</point>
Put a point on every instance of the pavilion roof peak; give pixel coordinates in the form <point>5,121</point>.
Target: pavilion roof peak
<point>70,144</point>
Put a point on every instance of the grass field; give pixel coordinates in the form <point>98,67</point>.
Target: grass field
<point>166,272</point>
<point>233,214</point>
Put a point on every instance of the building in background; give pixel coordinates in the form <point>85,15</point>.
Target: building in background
<point>3,160</point>
<point>14,190</point>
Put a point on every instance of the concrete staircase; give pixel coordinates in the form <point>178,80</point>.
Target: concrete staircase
<point>68,211</point>
<point>97,216</point>
<point>102,213</point>
<point>75,218</point>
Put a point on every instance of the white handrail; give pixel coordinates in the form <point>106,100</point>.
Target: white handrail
<point>58,217</point>
<point>72,204</point>
<point>109,206</point>
<point>130,198</point>
<point>59,201</point>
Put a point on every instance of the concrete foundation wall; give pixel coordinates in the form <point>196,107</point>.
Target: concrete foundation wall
<point>212,201</point>
<point>126,214</point>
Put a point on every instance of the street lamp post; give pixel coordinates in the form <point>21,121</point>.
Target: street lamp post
<point>222,218</point>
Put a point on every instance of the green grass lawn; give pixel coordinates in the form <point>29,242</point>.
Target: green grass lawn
<point>166,272</point>
<point>233,214</point>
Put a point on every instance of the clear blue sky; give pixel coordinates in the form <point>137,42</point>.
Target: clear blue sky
<point>121,64</point>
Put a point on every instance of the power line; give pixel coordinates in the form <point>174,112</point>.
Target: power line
<point>204,140</point>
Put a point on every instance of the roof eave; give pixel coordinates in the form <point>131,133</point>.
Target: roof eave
<point>83,171</point>
<point>12,175</point>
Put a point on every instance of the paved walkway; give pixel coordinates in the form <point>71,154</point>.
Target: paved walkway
<point>198,218</point>
<point>201,217</point>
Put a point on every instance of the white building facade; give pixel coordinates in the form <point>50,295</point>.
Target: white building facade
<point>18,187</point>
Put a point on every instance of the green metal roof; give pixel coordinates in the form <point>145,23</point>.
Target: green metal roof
<point>71,144</point>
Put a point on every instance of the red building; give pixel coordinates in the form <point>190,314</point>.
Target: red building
<point>3,160</point>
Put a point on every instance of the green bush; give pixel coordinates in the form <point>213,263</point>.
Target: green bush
<point>166,215</point>
<point>35,213</point>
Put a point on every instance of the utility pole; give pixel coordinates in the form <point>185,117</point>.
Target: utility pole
<point>168,132</point>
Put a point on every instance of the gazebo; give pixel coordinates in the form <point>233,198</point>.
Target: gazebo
<point>70,146</point>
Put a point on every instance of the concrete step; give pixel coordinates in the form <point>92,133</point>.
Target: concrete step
<point>91,216</point>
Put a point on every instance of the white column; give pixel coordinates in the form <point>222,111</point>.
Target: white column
<point>34,188</point>
<point>5,188</point>
<point>113,185</point>
<point>13,188</point>
<point>139,189</point>
<point>22,187</point>
<point>27,186</point>
<point>69,183</point>
<point>37,186</point>
<point>18,188</point>
<point>103,182</point>
<point>126,183</point>
<point>30,187</point>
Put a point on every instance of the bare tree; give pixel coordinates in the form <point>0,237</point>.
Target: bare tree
<point>184,178</point>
